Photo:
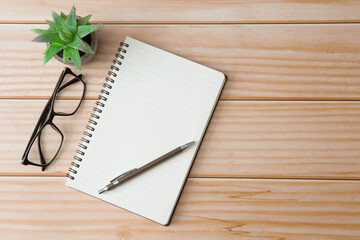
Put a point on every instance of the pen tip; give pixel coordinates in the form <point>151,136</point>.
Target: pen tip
<point>101,191</point>
<point>185,146</point>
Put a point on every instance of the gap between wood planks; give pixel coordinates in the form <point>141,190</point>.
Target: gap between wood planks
<point>217,178</point>
<point>220,100</point>
<point>202,22</point>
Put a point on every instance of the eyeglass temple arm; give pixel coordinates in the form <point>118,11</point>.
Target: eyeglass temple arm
<point>74,80</point>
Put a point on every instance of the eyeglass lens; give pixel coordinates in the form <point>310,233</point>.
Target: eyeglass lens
<point>47,144</point>
<point>74,90</point>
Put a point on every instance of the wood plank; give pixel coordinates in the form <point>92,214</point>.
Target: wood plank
<point>160,11</point>
<point>208,209</point>
<point>262,62</point>
<point>272,139</point>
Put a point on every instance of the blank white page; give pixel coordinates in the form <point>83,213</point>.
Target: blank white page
<point>158,102</point>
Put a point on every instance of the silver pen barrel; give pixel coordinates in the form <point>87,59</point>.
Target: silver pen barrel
<point>135,171</point>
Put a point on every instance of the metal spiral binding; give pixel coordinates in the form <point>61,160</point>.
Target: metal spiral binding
<point>103,97</point>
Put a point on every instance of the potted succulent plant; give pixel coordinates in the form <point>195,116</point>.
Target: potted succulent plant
<point>71,39</point>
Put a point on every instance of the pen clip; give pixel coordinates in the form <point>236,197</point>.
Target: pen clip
<point>124,174</point>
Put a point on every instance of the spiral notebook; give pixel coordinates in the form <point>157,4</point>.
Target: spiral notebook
<point>152,102</point>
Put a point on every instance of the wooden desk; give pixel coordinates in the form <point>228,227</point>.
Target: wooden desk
<point>280,160</point>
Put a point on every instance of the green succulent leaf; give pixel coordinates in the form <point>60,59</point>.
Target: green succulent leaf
<point>65,37</point>
<point>75,57</point>
<point>51,51</point>
<point>60,24</point>
<point>75,44</point>
<point>41,31</point>
<point>51,24</point>
<point>49,37</point>
<point>83,21</point>
<point>71,21</point>
<point>66,55</point>
<point>88,48</point>
<point>63,16</point>
<point>58,21</point>
<point>81,45</point>
<point>87,29</point>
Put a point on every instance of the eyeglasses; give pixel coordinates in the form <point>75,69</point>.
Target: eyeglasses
<point>47,139</point>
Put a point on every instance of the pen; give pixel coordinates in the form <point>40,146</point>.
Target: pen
<point>135,171</point>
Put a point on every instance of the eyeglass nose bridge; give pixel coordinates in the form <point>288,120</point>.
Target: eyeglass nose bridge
<point>50,119</point>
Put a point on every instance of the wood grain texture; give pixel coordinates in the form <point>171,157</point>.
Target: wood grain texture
<point>261,62</point>
<point>245,139</point>
<point>179,11</point>
<point>254,139</point>
<point>44,208</point>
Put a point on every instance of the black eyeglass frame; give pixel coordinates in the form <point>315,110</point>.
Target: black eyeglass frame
<point>47,119</point>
